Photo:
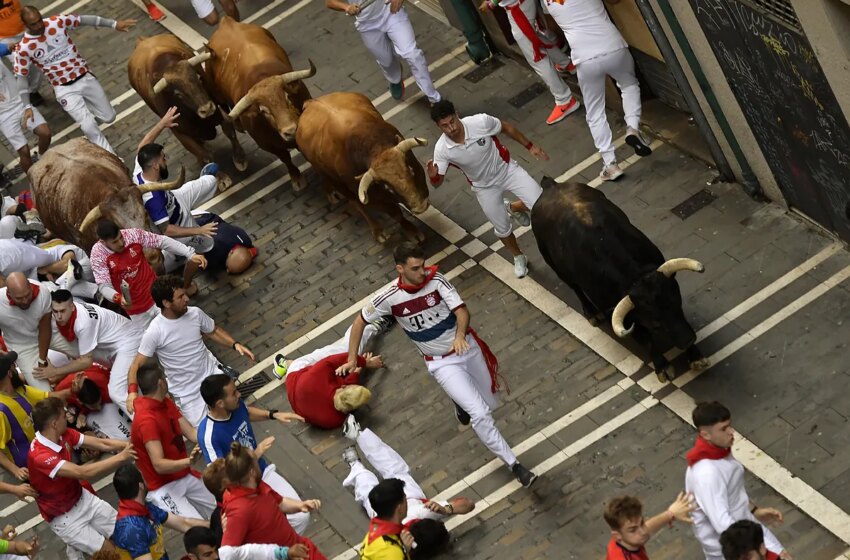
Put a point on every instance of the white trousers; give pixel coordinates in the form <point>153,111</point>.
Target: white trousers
<point>491,199</point>
<point>140,321</point>
<point>18,256</point>
<point>185,496</point>
<point>119,369</point>
<point>8,226</point>
<point>591,78</point>
<point>83,101</point>
<point>110,422</point>
<point>85,526</point>
<point>466,380</point>
<point>396,39</point>
<point>192,407</point>
<point>10,117</point>
<point>387,462</point>
<point>545,67</point>
<point>337,347</point>
<point>299,521</point>
<point>28,357</point>
<point>189,196</point>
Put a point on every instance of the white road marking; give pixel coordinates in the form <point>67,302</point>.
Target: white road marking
<point>277,19</point>
<point>262,11</point>
<point>51,6</point>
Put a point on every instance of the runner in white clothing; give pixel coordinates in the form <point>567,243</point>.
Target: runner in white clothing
<point>11,111</point>
<point>99,335</point>
<point>47,46</point>
<point>26,325</point>
<point>539,47</point>
<point>17,255</point>
<point>600,51</point>
<point>472,145</point>
<point>716,480</point>
<point>387,33</point>
<point>390,465</point>
<point>436,319</point>
<point>176,336</point>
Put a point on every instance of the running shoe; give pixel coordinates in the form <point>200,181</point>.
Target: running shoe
<point>462,415</point>
<point>383,323</point>
<point>611,172</point>
<point>522,218</point>
<point>520,266</point>
<point>280,366</point>
<point>568,68</point>
<point>636,140</point>
<point>560,112</point>
<point>351,428</point>
<point>523,475</point>
<point>397,90</point>
<point>209,169</point>
<point>155,13</point>
<point>231,373</point>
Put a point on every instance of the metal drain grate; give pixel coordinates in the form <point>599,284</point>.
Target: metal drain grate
<point>693,204</point>
<point>781,10</point>
<point>249,386</point>
<point>484,70</point>
<point>527,94</point>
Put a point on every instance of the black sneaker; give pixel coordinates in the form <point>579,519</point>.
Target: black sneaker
<point>523,475</point>
<point>36,99</point>
<point>231,373</point>
<point>78,269</point>
<point>462,415</point>
<point>383,323</point>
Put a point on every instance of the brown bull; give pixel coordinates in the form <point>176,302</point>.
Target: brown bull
<point>76,183</point>
<point>250,72</point>
<point>364,158</point>
<point>166,73</point>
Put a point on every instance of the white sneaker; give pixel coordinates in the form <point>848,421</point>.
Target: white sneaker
<point>520,266</point>
<point>521,218</point>
<point>351,428</point>
<point>611,172</point>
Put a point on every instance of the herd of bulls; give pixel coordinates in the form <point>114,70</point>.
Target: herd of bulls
<point>244,81</point>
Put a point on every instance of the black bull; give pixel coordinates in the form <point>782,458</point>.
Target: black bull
<point>615,270</point>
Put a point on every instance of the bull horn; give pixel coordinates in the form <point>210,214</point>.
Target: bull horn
<point>160,86</point>
<point>409,143</point>
<point>150,187</point>
<point>296,75</point>
<point>246,101</point>
<point>94,215</point>
<point>200,58</point>
<point>623,308</point>
<point>673,266</point>
<point>365,181</point>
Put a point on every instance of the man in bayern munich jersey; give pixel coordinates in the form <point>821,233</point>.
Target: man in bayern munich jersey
<point>47,46</point>
<point>436,319</point>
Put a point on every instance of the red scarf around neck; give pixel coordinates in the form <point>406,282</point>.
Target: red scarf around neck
<point>431,271</point>
<point>538,45</point>
<point>35,290</point>
<point>68,329</point>
<point>704,450</point>
<point>129,508</point>
<point>379,528</point>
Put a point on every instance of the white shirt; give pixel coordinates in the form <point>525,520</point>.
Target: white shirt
<point>20,326</point>
<point>718,486</point>
<point>426,316</point>
<point>373,16</point>
<point>588,28</point>
<point>102,331</point>
<point>179,346</point>
<point>6,203</point>
<point>481,157</point>
<point>9,99</point>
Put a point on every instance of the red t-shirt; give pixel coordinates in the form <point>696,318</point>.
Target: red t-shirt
<point>99,375</point>
<point>616,551</point>
<point>157,420</point>
<point>311,390</point>
<point>56,494</point>
<point>254,516</point>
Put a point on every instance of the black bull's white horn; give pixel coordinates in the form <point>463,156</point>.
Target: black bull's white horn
<point>626,304</point>
<point>287,78</point>
<point>367,178</point>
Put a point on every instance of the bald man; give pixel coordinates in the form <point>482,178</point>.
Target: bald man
<point>25,321</point>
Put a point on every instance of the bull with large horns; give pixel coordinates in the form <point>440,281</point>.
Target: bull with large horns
<point>364,158</point>
<point>250,72</point>
<point>77,183</point>
<point>615,270</point>
<point>166,73</point>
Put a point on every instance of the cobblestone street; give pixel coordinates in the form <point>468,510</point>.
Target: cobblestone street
<point>583,411</point>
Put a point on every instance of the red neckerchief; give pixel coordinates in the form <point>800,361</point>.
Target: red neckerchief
<point>129,508</point>
<point>234,492</point>
<point>704,450</point>
<point>379,528</point>
<point>413,288</point>
<point>538,45</point>
<point>771,556</point>
<point>67,330</point>
<point>35,290</point>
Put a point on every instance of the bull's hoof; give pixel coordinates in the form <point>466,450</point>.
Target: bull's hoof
<point>334,198</point>
<point>596,320</point>
<point>701,364</point>
<point>298,182</point>
<point>224,182</point>
<point>414,235</point>
<point>666,374</point>
<point>240,164</point>
<point>380,236</point>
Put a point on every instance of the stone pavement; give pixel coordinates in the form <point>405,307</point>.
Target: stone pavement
<point>605,434</point>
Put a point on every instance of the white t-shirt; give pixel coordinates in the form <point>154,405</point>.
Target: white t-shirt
<point>9,99</point>
<point>20,326</point>
<point>373,16</point>
<point>179,346</point>
<point>426,316</point>
<point>102,331</point>
<point>588,28</point>
<point>6,203</point>
<point>481,157</point>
